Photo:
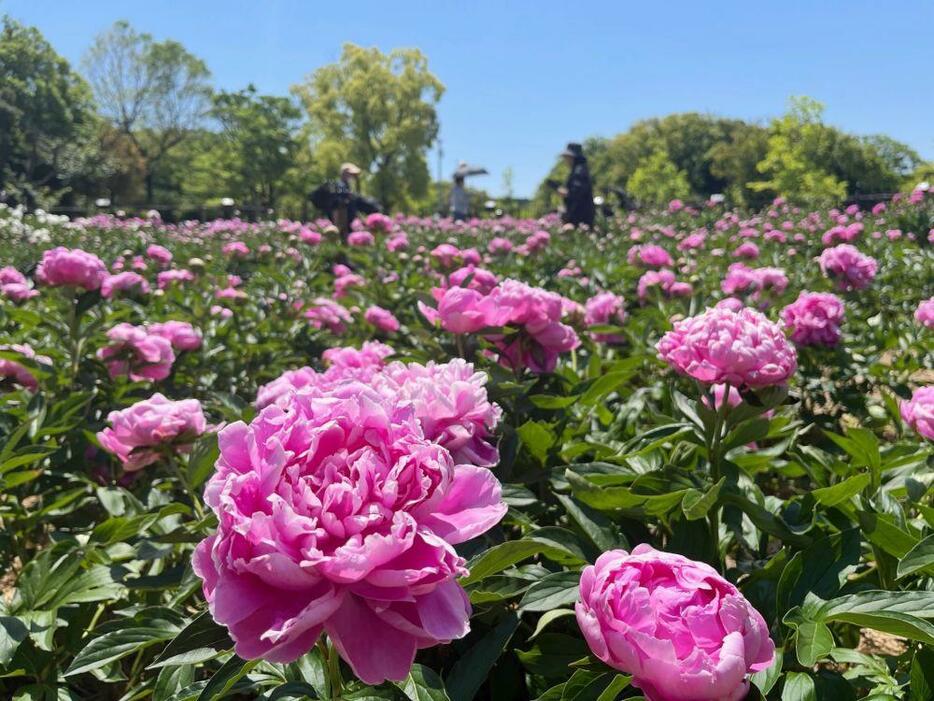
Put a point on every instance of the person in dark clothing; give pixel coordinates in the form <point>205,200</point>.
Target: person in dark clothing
<point>578,190</point>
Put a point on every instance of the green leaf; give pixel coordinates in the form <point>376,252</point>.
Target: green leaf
<point>538,438</point>
<point>799,687</point>
<point>499,557</point>
<point>696,504</point>
<point>473,667</point>
<point>585,685</point>
<point>113,646</point>
<point>604,385</point>
<point>617,685</point>
<point>200,640</point>
<point>921,681</point>
<point>12,632</point>
<point>547,618</point>
<point>747,432</point>
<point>842,491</point>
<point>423,684</point>
<point>597,527</point>
<point>555,590</point>
<point>767,678</point>
<point>204,454</point>
<point>920,557</point>
<point>899,613</point>
<point>820,569</point>
<point>813,641</point>
<point>547,401</point>
<point>232,671</point>
<point>882,531</point>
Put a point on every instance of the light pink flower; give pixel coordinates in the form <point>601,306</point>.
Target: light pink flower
<point>741,348</point>
<point>182,335</point>
<point>459,310</point>
<point>814,318</point>
<point>500,246</point>
<point>680,629</point>
<point>136,352</point>
<point>168,277</point>
<point>605,308</point>
<point>128,282</point>
<point>141,433</point>
<point>336,513</point>
<point>747,249</point>
<point>649,256</point>
<point>476,278</point>
<point>160,254</point>
<point>236,249</point>
<point>383,319</point>
<point>16,372</point>
<point>378,222</point>
<point>924,314</point>
<point>64,267</point>
<point>324,313</point>
<point>918,412</point>
<point>361,238</point>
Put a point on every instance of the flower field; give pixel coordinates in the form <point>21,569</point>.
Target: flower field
<point>686,457</point>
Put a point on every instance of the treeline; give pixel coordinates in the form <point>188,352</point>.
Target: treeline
<point>140,124</point>
<point>692,156</point>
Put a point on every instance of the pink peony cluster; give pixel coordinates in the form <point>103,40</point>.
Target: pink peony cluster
<point>664,281</point>
<point>338,513</point>
<point>851,269</point>
<point>649,256</point>
<point>15,372</point>
<point>15,286</point>
<point>382,319</point>
<point>747,249</point>
<point>680,629</point>
<point>918,412</point>
<point>605,308</point>
<point>361,239</point>
<point>474,278</point>
<point>325,313</point>
<point>71,267</point>
<point>141,433</point>
<point>128,282</point>
<point>378,222</point>
<point>182,335</point>
<point>159,254</point>
<point>814,319</point>
<point>743,349</point>
<point>169,277</point>
<point>236,249</point>
<point>137,352</point>
<point>924,314</point>
<point>741,279</point>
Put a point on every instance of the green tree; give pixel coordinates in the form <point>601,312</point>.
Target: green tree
<point>46,117</point>
<point>657,180</point>
<point>254,150</point>
<point>377,110</point>
<point>793,163</point>
<point>155,92</point>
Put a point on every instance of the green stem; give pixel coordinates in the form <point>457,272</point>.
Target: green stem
<point>714,458</point>
<point>74,332</point>
<point>333,660</point>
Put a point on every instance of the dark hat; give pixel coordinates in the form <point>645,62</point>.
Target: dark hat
<point>573,149</point>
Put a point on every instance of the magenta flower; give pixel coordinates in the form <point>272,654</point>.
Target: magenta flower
<point>918,412</point>
<point>382,319</point>
<point>236,249</point>
<point>14,285</point>
<point>500,246</point>
<point>741,348</point>
<point>649,256</point>
<point>131,283</point>
<point>378,222</point>
<point>160,254</point>
<point>182,335</point>
<point>475,278</point>
<point>747,249</point>
<point>446,254</point>
<point>680,629</point>
<point>361,238</point>
<point>459,310</point>
<point>324,313</point>
<point>139,434</point>
<point>605,308</point>
<point>370,355</point>
<point>851,269</point>
<point>136,352</point>
<point>665,282</point>
<point>169,277</point>
<point>16,373</point>
<point>71,267</point>
<point>814,319</point>
<point>337,514</point>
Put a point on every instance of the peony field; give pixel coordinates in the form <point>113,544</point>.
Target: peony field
<point>688,454</point>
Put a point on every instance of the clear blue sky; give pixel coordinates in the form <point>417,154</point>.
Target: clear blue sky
<point>524,77</point>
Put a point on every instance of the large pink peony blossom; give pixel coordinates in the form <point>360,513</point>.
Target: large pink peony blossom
<point>605,308</point>
<point>136,352</point>
<point>71,267</point>
<point>382,319</point>
<point>918,412</point>
<point>650,256</point>
<point>924,314</point>
<point>371,355</point>
<point>680,629</point>
<point>459,310</point>
<point>182,335</point>
<point>740,348</point>
<point>814,319</point>
<point>336,513</point>
<point>536,314</point>
<point>139,434</point>
<point>851,269</point>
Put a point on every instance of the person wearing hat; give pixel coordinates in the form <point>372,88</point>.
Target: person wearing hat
<point>460,200</point>
<point>578,190</point>
<point>345,210</point>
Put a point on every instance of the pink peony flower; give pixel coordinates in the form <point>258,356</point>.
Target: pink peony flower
<point>131,283</point>
<point>814,319</point>
<point>343,284</point>
<point>664,281</point>
<point>747,249</point>
<point>605,308</point>
<point>378,222</point>
<point>458,311</point>
<point>924,314</point>
<point>10,275</point>
<point>918,412</point>
<point>475,278</point>
<point>182,335</point>
<point>64,267</point>
<point>499,246</point>
<point>445,254</point>
<point>370,355</point>
<point>361,238</point>
<point>397,242</point>
<point>741,348</point>
<point>17,373</point>
<point>649,256</point>
<point>324,313</point>
<point>18,291</point>
<point>139,434</point>
<point>168,277</point>
<point>383,319</point>
<point>136,352</point>
<point>680,629</point>
<point>160,254</point>
<point>236,249</point>
<point>851,269</point>
<point>337,514</point>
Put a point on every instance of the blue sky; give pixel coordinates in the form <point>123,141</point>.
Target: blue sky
<point>523,78</point>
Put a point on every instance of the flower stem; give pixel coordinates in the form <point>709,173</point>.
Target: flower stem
<point>335,682</point>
